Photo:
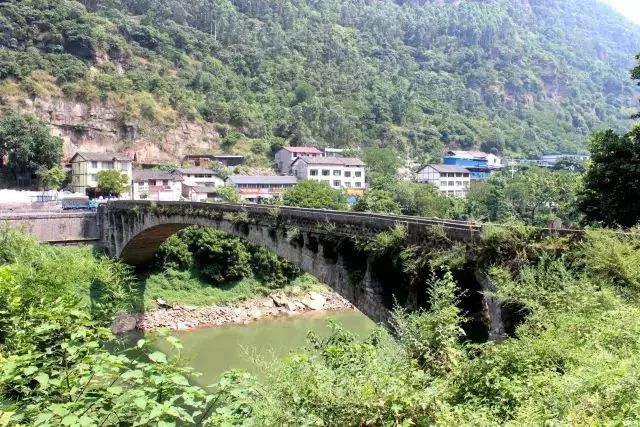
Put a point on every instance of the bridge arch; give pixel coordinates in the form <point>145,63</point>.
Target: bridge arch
<point>133,232</point>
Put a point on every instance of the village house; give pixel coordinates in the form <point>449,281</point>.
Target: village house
<point>85,166</point>
<point>207,160</point>
<point>156,185</point>
<point>200,177</point>
<point>338,172</point>
<point>287,155</point>
<point>450,180</point>
<point>258,188</point>
<point>479,164</point>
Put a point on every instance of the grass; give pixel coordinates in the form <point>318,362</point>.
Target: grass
<point>189,288</point>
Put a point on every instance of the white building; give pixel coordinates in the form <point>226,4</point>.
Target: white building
<point>257,188</point>
<point>199,193</point>
<point>338,172</point>
<point>287,155</point>
<point>156,185</point>
<point>450,180</point>
<point>200,177</point>
<point>85,166</point>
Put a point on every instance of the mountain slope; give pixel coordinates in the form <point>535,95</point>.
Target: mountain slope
<point>520,76</point>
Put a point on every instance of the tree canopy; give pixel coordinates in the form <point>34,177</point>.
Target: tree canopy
<point>112,182</point>
<point>29,144</point>
<point>315,194</point>
<point>611,193</point>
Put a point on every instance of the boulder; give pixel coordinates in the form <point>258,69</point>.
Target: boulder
<point>123,323</point>
<point>314,301</point>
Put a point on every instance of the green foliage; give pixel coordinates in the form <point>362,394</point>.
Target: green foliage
<point>315,194</point>
<point>60,367</point>
<point>432,338</point>
<point>377,201</point>
<point>219,257</point>
<point>112,181</point>
<point>28,144</point>
<point>423,200</point>
<point>174,253</point>
<point>229,193</point>
<point>52,178</point>
<point>611,186</point>
<point>535,196</point>
<point>271,269</point>
<point>409,76</point>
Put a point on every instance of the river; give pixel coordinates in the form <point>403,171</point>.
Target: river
<point>212,351</point>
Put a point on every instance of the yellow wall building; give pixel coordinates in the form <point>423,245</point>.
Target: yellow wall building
<point>85,167</point>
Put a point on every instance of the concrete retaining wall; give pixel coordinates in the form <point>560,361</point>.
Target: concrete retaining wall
<point>57,228</point>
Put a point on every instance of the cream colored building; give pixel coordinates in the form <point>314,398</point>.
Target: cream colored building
<point>337,172</point>
<point>85,167</point>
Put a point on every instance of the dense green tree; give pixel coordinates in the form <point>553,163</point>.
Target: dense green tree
<point>377,201</point>
<point>534,196</point>
<point>220,257</point>
<point>28,144</point>
<point>229,193</point>
<point>112,182</point>
<point>611,194</point>
<point>51,179</point>
<point>315,194</point>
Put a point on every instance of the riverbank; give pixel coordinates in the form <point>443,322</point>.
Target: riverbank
<point>181,317</point>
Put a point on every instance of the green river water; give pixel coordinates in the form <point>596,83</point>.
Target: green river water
<point>212,351</point>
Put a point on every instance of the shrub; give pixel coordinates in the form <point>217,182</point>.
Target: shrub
<point>174,253</point>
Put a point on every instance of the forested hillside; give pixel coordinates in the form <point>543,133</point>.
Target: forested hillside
<point>512,76</point>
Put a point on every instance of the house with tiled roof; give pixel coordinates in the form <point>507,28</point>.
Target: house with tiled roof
<point>156,185</point>
<point>337,172</point>
<point>451,180</point>
<point>287,155</point>
<point>86,165</point>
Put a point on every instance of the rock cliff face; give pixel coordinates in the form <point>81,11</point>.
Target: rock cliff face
<point>98,127</point>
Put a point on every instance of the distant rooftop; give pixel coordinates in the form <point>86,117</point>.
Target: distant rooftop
<point>303,150</point>
<point>213,156</point>
<point>342,161</point>
<point>197,171</point>
<point>263,179</point>
<point>101,157</point>
<point>468,154</point>
<point>447,168</point>
<point>146,175</point>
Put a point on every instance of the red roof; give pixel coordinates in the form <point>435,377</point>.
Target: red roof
<point>303,150</point>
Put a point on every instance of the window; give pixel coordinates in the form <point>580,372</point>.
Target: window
<point>347,174</point>
<point>124,166</point>
<point>337,172</point>
<point>358,184</point>
<point>94,165</point>
<point>336,183</point>
<point>107,165</point>
<point>165,182</point>
<point>459,183</point>
<point>358,174</point>
<point>347,184</point>
<point>313,172</point>
<point>325,172</point>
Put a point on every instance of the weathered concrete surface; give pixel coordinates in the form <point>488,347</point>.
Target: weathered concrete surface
<point>57,227</point>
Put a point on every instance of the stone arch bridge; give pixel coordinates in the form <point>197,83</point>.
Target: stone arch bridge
<point>320,242</point>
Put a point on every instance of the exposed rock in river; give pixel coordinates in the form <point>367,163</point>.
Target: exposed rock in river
<point>181,318</point>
